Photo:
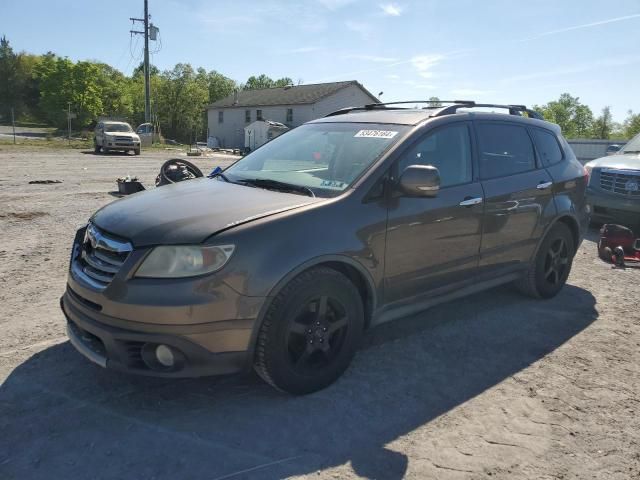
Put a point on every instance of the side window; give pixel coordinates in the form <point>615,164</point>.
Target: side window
<point>504,150</point>
<point>258,114</point>
<point>448,149</point>
<point>547,147</point>
<point>220,116</point>
<point>247,116</point>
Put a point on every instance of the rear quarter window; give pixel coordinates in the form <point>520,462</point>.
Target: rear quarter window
<point>547,146</point>
<point>504,149</point>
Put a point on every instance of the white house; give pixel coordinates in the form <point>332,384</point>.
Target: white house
<point>292,105</point>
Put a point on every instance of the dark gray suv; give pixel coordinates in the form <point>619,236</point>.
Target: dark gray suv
<point>283,260</point>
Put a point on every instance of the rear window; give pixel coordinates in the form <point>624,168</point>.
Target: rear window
<point>547,147</point>
<point>504,150</point>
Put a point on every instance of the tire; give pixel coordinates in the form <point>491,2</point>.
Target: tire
<point>550,269</point>
<point>310,332</point>
<point>136,151</point>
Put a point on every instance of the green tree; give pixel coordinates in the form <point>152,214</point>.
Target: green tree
<point>86,94</point>
<point>219,86</point>
<point>55,82</point>
<point>631,125</point>
<point>574,118</point>
<point>182,97</point>
<point>116,92</point>
<point>263,81</point>
<point>603,125</point>
<point>435,102</point>
<point>10,84</point>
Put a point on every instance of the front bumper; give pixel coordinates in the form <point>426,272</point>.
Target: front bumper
<point>129,350</point>
<point>607,206</point>
<point>117,323</point>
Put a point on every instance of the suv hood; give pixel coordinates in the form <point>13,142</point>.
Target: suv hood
<point>122,134</point>
<point>630,161</point>
<point>191,211</point>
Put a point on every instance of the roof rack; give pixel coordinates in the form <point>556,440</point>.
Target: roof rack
<point>513,109</point>
<point>451,107</point>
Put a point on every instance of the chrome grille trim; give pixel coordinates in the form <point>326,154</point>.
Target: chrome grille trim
<point>615,181</point>
<point>99,258</point>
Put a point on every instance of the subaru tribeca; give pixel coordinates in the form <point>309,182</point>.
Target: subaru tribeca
<point>284,259</point>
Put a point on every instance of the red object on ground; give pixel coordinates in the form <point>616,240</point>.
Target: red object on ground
<point>613,236</point>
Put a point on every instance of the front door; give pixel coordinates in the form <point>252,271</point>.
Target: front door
<point>518,192</point>
<point>433,243</point>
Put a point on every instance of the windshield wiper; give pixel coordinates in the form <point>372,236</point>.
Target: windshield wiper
<point>277,185</point>
<point>630,151</point>
<point>221,175</point>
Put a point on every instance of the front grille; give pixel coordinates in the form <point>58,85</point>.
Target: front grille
<point>100,257</point>
<point>124,140</point>
<point>621,182</point>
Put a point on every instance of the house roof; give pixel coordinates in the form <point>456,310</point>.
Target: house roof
<point>290,95</point>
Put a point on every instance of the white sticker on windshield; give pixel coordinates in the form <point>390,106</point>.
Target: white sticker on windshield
<point>376,134</point>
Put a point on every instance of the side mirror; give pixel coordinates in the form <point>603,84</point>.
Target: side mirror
<point>420,181</point>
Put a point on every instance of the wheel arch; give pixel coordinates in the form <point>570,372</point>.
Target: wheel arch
<point>349,267</point>
<point>567,219</point>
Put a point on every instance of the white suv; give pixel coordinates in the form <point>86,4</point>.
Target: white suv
<point>115,136</point>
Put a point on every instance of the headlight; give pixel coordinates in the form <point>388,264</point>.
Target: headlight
<point>184,261</point>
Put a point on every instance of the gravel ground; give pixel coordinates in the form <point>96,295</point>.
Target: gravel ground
<point>493,385</point>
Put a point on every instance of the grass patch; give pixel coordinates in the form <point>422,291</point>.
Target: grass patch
<point>47,143</point>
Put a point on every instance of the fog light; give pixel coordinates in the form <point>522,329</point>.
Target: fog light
<point>165,356</point>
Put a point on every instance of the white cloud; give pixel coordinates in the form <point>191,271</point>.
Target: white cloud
<point>393,76</point>
<point>424,64</point>
<point>580,27</point>
<point>391,9</point>
<point>335,4</point>
<point>419,85</point>
<point>359,27</point>
<point>598,64</point>
<point>470,92</point>
<point>370,58</point>
<point>309,49</point>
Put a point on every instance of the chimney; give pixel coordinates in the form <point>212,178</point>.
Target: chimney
<point>235,96</point>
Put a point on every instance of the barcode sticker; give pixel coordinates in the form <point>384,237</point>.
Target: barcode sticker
<point>376,134</point>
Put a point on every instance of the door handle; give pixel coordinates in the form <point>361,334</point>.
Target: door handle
<point>544,185</point>
<point>469,202</point>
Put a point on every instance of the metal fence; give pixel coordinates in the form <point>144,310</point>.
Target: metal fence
<point>587,150</point>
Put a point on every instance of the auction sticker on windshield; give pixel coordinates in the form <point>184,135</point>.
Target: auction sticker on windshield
<point>376,134</point>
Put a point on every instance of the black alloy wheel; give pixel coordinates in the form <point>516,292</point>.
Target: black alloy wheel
<point>556,261</point>
<point>310,332</point>
<point>317,334</point>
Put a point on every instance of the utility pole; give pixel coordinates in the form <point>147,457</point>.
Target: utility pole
<point>69,122</point>
<point>147,72</point>
<point>13,122</point>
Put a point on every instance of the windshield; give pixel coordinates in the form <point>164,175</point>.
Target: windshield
<point>324,157</point>
<point>632,146</point>
<point>117,127</point>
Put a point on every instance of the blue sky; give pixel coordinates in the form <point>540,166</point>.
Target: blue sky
<point>491,50</point>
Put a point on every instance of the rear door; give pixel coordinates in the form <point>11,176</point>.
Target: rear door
<point>518,195</point>
<point>433,243</point>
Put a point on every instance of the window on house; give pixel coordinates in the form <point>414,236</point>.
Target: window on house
<point>247,116</point>
<point>258,114</point>
<point>221,117</point>
<point>289,115</point>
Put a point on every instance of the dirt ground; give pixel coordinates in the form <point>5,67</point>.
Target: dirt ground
<point>495,385</point>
